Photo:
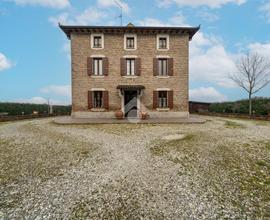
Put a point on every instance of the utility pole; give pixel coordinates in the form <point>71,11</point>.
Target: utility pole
<point>48,106</point>
<point>121,8</point>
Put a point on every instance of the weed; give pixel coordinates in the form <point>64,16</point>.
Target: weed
<point>233,124</point>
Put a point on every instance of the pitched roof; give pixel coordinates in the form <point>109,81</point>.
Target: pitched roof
<point>129,29</point>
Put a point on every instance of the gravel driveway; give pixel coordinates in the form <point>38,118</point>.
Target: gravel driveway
<point>217,170</point>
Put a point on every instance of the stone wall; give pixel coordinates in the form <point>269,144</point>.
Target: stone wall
<point>114,50</point>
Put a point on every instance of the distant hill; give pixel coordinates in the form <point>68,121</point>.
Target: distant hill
<point>27,109</point>
<point>260,106</point>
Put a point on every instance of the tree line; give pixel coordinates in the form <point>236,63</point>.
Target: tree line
<point>28,109</point>
<point>260,106</point>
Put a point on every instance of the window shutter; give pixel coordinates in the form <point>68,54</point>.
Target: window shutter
<point>138,66</point>
<point>170,69</point>
<point>170,99</point>
<point>123,66</point>
<point>155,66</point>
<point>105,66</point>
<point>155,99</point>
<point>105,95</point>
<point>90,101</point>
<point>89,66</point>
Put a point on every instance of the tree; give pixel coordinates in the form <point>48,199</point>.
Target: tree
<point>253,74</point>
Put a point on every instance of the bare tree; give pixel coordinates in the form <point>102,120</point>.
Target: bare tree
<point>253,74</point>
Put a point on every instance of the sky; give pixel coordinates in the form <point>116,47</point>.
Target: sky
<point>35,53</point>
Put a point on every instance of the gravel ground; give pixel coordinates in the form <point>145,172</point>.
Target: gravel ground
<point>216,170</point>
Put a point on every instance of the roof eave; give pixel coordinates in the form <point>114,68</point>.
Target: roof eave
<point>191,31</point>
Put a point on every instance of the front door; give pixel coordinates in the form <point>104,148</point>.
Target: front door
<point>131,109</point>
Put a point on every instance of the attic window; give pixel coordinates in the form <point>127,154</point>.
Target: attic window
<point>97,41</point>
<point>163,42</point>
<point>130,42</point>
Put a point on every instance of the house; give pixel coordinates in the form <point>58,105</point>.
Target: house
<point>129,68</point>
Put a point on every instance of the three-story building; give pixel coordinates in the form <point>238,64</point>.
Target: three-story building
<point>133,69</point>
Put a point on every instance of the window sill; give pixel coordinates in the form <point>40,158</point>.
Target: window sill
<point>163,109</point>
<point>97,109</point>
<point>163,49</point>
<point>97,77</point>
<point>163,77</point>
<point>130,49</point>
<point>97,48</point>
<point>130,77</point>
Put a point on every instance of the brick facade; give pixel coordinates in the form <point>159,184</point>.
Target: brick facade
<point>113,52</point>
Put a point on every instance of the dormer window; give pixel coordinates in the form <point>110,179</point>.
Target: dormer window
<point>97,41</point>
<point>130,42</point>
<point>163,42</point>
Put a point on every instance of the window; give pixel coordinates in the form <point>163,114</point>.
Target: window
<point>162,67</point>
<point>162,43</point>
<point>97,66</point>
<point>130,43</point>
<point>97,99</point>
<point>130,65</point>
<point>97,42</point>
<point>163,99</point>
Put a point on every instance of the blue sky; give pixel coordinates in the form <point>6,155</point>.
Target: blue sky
<point>34,53</point>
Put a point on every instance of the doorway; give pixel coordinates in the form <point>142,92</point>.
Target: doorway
<point>130,103</point>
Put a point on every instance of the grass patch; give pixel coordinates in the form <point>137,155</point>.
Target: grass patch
<point>237,173</point>
<point>44,156</point>
<point>123,200</point>
<point>232,169</point>
<point>233,124</point>
<point>262,123</point>
<point>122,129</point>
<point>162,147</point>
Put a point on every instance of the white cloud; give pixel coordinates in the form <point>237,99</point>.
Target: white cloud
<point>262,49</point>
<point>41,100</point>
<point>198,3</point>
<point>210,62</point>
<point>4,62</point>
<point>112,3</point>
<point>45,3</point>
<point>208,16</point>
<point>265,8</point>
<point>176,20</point>
<point>90,16</point>
<point>34,100</point>
<point>60,90</point>
<point>206,94</point>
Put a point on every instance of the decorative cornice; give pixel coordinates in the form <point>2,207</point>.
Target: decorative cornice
<point>68,30</point>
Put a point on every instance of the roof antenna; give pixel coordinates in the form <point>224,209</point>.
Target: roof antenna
<point>121,8</point>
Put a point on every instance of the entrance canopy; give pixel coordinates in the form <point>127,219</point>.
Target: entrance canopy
<point>130,87</point>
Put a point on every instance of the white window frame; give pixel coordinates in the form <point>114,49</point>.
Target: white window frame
<point>92,41</point>
<point>168,41</point>
<point>100,66</point>
<point>167,99</point>
<point>129,71</point>
<point>135,41</point>
<point>160,61</point>
<point>93,99</point>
